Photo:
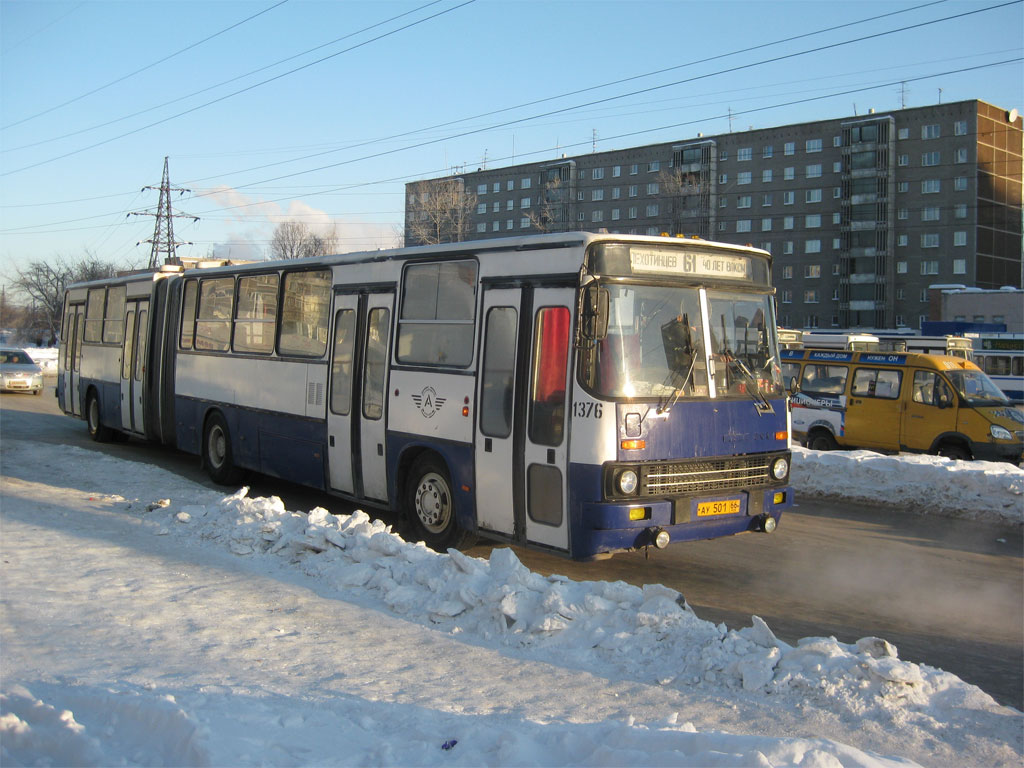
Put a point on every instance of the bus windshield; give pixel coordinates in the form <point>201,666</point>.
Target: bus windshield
<point>655,345</point>
<point>976,388</point>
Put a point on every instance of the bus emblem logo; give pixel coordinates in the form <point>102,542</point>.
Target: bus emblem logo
<point>428,402</point>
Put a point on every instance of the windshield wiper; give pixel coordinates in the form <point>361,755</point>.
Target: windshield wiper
<point>665,403</point>
<point>763,406</point>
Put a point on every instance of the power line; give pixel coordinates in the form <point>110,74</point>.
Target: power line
<point>143,69</point>
<point>218,85</point>
<point>244,90</point>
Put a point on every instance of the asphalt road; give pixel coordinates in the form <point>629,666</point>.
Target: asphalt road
<point>948,593</point>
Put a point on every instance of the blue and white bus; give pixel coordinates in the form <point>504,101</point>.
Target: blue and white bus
<point>1001,356</point>
<point>577,392</point>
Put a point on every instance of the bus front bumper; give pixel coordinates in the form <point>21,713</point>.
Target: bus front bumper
<point>618,526</point>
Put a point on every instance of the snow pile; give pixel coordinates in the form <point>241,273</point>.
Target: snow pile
<point>648,634</point>
<point>924,484</point>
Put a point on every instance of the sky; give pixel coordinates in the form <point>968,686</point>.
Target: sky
<point>149,620</point>
<point>321,111</point>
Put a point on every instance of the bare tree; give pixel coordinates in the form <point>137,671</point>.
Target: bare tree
<point>295,240</point>
<point>43,284</point>
<point>438,211</point>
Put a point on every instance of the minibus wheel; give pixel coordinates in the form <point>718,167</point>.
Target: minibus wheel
<point>954,451</point>
<point>430,505</point>
<point>97,430</point>
<point>822,441</point>
<point>217,452</point>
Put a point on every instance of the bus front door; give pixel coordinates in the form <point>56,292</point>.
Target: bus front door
<point>521,447</point>
<point>355,414</point>
<point>133,365</point>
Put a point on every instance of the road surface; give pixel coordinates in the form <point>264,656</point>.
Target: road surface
<point>948,593</point>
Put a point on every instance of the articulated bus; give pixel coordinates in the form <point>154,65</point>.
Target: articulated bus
<point>580,393</point>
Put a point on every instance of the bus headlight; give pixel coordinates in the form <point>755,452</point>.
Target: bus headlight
<point>999,433</point>
<point>780,468</point>
<point>628,481</point>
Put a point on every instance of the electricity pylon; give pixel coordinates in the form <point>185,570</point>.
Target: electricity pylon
<point>163,241</point>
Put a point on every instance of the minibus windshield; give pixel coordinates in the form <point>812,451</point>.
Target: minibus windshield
<point>976,388</point>
<point>655,345</point>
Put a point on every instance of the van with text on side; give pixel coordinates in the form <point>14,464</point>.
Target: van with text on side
<point>891,402</point>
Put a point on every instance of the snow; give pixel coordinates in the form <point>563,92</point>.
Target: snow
<point>148,620</point>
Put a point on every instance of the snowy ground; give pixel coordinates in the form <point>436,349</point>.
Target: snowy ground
<point>147,620</point>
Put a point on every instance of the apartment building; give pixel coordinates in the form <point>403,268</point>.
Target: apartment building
<point>862,213</point>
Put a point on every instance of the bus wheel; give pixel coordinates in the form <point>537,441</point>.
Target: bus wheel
<point>97,430</point>
<point>822,441</point>
<point>954,451</point>
<point>430,505</point>
<point>217,452</point>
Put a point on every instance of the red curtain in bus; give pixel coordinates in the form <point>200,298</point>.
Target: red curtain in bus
<point>552,354</point>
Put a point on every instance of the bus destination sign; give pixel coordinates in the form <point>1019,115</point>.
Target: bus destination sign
<point>671,261</point>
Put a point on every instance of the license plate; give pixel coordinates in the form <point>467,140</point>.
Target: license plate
<point>712,508</point>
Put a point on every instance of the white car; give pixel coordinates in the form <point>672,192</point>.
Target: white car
<point>18,373</point>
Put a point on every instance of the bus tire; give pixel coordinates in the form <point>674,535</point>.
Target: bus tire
<point>98,431</point>
<point>217,455</point>
<point>954,451</point>
<point>822,441</point>
<point>430,505</point>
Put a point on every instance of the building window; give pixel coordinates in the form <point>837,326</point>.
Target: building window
<point>723,178</point>
<point>616,171</point>
<point>496,207</point>
<point>960,128</point>
<point>960,156</point>
<point>766,175</point>
<point>767,151</point>
<point>723,202</point>
<point>788,197</point>
<point>524,222</point>
<point>930,240</point>
<point>812,220</point>
<point>812,145</point>
<point>960,210</point>
<point>787,297</point>
<point>743,201</point>
<point>510,204</point>
<point>579,195</point>
<point>481,227</point>
<point>597,195</point>
<point>788,222</point>
<point>899,297</point>
<point>903,160</point>
<point>632,212</point>
<point>789,148</point>
<point>481,189</point>
<point>766,225</point>
<point>930,213</point>
<point>581,216</point>
<point>495,226</point>
<point>510,185</point>
<point>634,169</point>
<point>959,266</point>
<point>510,224</point>
<point>960,183</point>
<point>901,240</point>
<point>812,196</point>
<point>902,214</point>
<point>766,200</point>
<point>616,193</point>
<point>723,154</point>
<point>652,209</point>
<point>903,186</point>
<point>634,190</point>
<point>930,267</point>
<point>721,226</point>
<point>837,141</point>
<point>787,272</point>
<point>901,267</point>
<point>930,158</point>
<point>814,171</point>
<point>743,225</point>
<point>931,186</point>
<point>524,203</point>
<point>524,183</point>
<point>789,173</point>
<point>744,177</point>
<point>837,243</point>
<point>744,153</point>
<point>481,208</point>
<point>598,173</point>
<point>653,188</point>
<point>787,247</point>
<point>959,238</point>
<point>837,192</point>
<point>597,216</point>
<point>615,214</point>
<point>654,166</point>
<point>930,131</point>
<point>811,296</point>
<point>903,133</point>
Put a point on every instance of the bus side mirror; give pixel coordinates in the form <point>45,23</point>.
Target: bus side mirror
<point>595,313</point>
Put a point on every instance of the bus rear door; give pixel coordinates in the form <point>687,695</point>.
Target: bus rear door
<point>355,414</point>
<point>133,363</point>
<point>76,334</point>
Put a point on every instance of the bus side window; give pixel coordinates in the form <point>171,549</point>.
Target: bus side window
<point>924,387</point>
<point>341,364</point>
<point>824,379</point>
<point>499,372</point>
<point>375,365</point>
<point>551,356</point>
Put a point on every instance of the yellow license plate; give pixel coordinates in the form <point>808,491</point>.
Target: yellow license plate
<point>711,508</point>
